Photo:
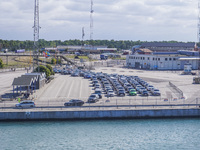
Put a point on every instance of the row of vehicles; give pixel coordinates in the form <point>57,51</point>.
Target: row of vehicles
<point>30,103</point>
<point>114,84</point>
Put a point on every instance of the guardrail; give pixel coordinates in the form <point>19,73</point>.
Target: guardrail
<point>177,91</point>
<point>111,103</point>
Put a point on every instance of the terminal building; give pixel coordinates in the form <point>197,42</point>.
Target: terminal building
<point>164,56</point>
<point>164,61</point>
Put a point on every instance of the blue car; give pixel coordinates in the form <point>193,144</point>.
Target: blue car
<point>87,76</point>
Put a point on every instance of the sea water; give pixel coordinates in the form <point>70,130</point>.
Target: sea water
<point>133,134</point>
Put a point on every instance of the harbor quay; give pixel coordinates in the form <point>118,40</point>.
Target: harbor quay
<point>100,114</point>
<point>50,99</point>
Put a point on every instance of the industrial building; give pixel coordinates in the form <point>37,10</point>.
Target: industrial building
<point>166,47</point>
<point>164,61</point>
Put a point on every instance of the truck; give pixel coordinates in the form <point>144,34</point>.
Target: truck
<point>103,57</point>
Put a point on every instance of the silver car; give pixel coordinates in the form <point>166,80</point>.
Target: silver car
<point>26,103</point>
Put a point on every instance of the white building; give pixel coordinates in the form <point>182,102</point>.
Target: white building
<point>161,61</point>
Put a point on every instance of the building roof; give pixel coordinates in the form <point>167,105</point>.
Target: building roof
<point>22,81</point>
<point>107,49</point>
<point>189,58</point>
<point>162,44</point>
<point>27,79</point>
<point>145,50</point>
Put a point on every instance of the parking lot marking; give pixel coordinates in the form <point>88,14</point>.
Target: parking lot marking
<point>80,89</point>
<point>60,88</point>
<point>70,88</point>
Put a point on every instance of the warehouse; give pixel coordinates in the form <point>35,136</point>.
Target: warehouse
<point>167,47</point>
<point>161,61</point>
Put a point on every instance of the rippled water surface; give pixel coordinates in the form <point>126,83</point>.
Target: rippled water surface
<point>101,134</point>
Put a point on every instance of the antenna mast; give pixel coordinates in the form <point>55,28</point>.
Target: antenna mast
<point>91,21</point>
<point>36,28</point>
<point>198,37</point>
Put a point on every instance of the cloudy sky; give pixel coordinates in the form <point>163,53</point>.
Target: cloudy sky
<point>151,20</point>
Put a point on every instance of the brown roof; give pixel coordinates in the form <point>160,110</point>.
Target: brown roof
<point>146,50</point>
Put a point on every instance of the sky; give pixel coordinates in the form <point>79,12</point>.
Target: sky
<point>145,20</point>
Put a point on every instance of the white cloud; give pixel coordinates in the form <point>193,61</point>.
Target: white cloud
<point>113,19</point>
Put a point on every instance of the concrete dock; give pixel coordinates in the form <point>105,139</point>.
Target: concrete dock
<point>100,114</point>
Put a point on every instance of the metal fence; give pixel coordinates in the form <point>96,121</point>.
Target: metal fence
<point>176,90</point>
<point>111,103</point>
<point>15,68</point>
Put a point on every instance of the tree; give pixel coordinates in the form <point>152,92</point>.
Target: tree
<point>59,61</point>
<point>53,61</point>
<point>43,69</point>
<point>1,63</point>
<point>50,69</point>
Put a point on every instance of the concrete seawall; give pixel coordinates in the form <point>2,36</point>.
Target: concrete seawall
<point>51,115</point>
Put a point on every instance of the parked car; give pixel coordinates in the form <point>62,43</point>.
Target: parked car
<point>99,92</point>
<point>87,76</point>
<point>110,93</point>
<point>26,103</point>
<point>97,86</point>
<point>150,87</point>
<point>75,74</point>
<point>93,98</point>
<point>155,92</point>
<point>74,102</point>
<point>145,93</point>
<point>142,89</point>
<point>132,92</point>
<point>121,93</point>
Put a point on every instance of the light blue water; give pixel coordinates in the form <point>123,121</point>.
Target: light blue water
<point>161,134</point>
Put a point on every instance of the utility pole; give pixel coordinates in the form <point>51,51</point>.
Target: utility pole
<point>36,28</point>
<point>91,21</point>
<point>198,32</point>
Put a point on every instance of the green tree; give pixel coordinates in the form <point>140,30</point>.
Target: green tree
<point>1,63</point>
<point>53,61</point>
<point>50,68</point>
<point>42,68</point>
<point>59,61</point>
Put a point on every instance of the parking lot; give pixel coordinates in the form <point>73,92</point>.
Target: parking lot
<point>66,87</point>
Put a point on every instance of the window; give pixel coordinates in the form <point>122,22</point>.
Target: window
<point>158,58</point>
<point>165,59</point>
<point>133,57</point>
<point>153,58</point>
<point>143,58</point>
<point>174,58</point>
<point>148,58</point>
<point>170,59</point>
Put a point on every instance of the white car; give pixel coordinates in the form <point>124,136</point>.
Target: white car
<point>26,103</point>
<point>93,98</point>
<point>150,87</point>
<point>110,93</point>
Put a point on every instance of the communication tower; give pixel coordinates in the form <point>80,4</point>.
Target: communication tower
<point>199,37</point>
<point>36,26</point>
<point>91,21</point>
<point>36,29</point>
